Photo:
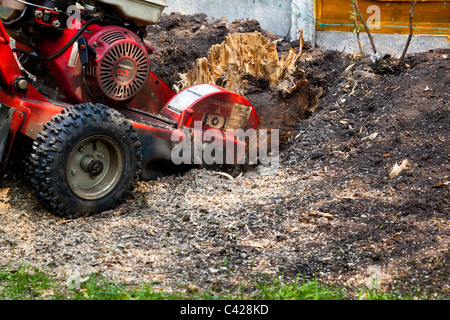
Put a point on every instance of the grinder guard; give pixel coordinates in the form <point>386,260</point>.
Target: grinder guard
<point>203,106</point>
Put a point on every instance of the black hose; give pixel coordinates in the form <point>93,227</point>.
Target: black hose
<point>63,49</point>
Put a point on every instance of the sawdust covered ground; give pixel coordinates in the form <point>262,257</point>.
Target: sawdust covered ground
<point>331,211</point>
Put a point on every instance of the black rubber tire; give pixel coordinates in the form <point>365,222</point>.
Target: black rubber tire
<point>50,155</point>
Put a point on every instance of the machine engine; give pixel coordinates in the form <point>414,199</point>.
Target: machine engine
<point>101,56</point>
<point>120,67</point>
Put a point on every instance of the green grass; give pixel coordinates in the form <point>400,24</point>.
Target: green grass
<point>24,283</point>
<point>297,290</point>
<point>28,283</point>
<point>98,288</point>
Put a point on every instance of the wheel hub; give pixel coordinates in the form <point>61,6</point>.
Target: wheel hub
<point>94,167</point>
<point>91,165</point>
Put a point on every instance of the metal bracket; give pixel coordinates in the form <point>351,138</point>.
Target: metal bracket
<point>6,114</point>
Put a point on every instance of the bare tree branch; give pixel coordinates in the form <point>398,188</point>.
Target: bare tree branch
<point>411,31</point>
<point>358,33</point>
<point>372,42</point>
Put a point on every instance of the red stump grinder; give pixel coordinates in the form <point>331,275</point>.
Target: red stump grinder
<point>75,79</point>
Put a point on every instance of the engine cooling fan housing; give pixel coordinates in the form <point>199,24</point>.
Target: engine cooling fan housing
<point>120,68</point>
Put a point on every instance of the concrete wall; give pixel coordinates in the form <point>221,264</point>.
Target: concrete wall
<point>287,17</point>
<point>392,44</point>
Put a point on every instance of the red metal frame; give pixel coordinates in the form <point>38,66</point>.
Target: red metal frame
<point>22,101</point>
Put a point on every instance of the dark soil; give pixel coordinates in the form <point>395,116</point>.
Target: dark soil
<point>336,161</point>
<point>372,117</point>
<point>178,40</point>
